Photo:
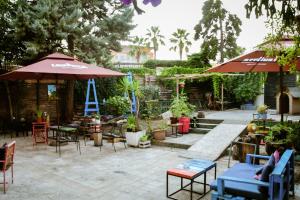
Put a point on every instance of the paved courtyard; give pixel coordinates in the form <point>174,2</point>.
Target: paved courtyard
<point>130,173</point>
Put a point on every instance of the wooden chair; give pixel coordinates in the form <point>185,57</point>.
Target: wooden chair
<point>7,163</point>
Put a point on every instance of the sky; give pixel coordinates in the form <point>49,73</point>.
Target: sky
<point>173,14</point>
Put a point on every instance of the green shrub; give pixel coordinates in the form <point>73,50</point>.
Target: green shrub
<point>164,63</point>
<point>150,92</point>
<point>118,105</point>
<point>244,88</point>
<point>170,72</point>
<point>180,106</point>
<point>142,71</point>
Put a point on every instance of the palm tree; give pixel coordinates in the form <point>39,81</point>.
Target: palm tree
<point>180,41</point>
<point>138,48</point>
<point>154,38</point>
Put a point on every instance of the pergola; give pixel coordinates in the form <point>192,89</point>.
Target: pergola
<point>198,76</point>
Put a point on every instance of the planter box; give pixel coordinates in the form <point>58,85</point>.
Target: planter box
<point>133,138</point>
<point>145,144</point>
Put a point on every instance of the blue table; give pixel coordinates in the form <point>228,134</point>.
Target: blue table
<point>191,170</point>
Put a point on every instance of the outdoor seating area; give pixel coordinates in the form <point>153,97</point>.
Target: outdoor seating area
<point>183,100</point>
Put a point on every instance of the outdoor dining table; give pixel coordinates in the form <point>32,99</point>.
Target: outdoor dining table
<point>174,128</point>
<point>64,134</point>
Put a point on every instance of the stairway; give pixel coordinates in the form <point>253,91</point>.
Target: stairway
<point>202,125</point>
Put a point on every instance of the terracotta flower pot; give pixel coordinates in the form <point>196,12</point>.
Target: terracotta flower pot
<point>39,120</point>
<point>159,134</point>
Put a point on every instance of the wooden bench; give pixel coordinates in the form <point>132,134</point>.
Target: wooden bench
<point>238,181</point>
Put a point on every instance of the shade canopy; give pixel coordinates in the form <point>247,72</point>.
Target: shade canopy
<point>61,67</point>
<point>255,61</point>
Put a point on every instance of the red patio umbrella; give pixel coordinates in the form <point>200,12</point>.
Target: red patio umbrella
<point>58,66</point>
<point>255,61</point>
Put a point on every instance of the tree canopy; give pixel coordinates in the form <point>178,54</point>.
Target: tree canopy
<point>288,10</point>
<point>219,31</point>
<point>138,48</point>
<point>181,41</point>
<point>154,39</point>
<point>87,29</point>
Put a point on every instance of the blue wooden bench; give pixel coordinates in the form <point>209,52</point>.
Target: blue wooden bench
<point>238,183</point>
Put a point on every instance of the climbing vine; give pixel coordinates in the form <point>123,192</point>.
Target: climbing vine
<point>216,81</point>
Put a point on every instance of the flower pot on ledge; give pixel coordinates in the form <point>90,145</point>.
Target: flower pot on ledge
<point>159,134</point>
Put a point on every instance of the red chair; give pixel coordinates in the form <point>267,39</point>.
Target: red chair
<point>39,133</point>
<point>8,162</point>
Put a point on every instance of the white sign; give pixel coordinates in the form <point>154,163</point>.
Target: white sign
<point>68,66</point>
<point>260,59</point>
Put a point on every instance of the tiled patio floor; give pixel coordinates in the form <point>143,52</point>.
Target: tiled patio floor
<point>128,174</point>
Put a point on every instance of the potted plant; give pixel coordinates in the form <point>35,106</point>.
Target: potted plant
<point>280,135</point>
<point>262,111</point>
<point>145,141</point>
<point>181,109</point>
<point>133,134</point>
<point>181,84</point>
<point>160,132</point>
<point>39,116</point>
<point>97,119</point>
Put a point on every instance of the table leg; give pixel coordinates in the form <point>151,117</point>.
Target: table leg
<point>215,171</point>
<point>204,183</point>
<point>181,182</point>
<point>167,185</point>
<point>192,189</point>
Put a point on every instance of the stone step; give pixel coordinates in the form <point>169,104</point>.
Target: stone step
<point>199,130</point>
<point>207,121</point>
<point>203,125</point>
<point>170,144</point>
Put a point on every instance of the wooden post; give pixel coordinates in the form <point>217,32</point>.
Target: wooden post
<point>177,87</point>
<point>281,93</point>
<point>222,96</point>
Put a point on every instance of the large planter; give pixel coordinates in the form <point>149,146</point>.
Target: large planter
<point>185,128</point>
<point>133,138</point>
<point>159,134</point>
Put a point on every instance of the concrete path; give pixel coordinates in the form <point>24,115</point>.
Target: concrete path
<point>215,142</point>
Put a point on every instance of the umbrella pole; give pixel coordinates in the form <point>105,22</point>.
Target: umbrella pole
<point>38,95</point>
<point>56,101</point>
<point>281,93</point>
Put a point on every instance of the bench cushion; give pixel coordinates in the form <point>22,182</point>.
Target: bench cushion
<point>241,170</point>
<point>182,173</point>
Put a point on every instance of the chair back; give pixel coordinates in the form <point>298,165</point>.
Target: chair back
<point>9,155</point>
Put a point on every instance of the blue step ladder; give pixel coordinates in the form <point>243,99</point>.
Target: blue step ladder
<point>94,104</point>
<point>133,99</point>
